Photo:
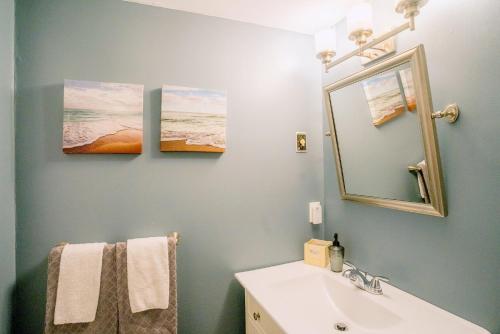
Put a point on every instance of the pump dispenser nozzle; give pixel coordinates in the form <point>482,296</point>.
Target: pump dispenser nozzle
<point>335,239</point>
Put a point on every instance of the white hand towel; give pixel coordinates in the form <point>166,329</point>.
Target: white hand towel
<point>421,185</point>
<point>423,179</point>
<point>148,273</point>
<point>79,283</point>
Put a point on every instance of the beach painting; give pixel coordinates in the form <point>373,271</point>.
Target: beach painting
<point>409,88</point>
<point>102,117</point>
<point>193,120</point>
<point>384,97</point>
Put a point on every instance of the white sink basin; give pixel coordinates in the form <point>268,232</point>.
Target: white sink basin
<point>303,299</point>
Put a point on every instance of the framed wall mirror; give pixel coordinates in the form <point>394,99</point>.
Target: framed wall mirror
<point>384,138</point>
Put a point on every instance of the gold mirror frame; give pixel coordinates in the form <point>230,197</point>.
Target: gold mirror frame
<point>416,58</point>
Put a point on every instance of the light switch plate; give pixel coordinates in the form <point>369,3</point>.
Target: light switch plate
<point>301,142</point>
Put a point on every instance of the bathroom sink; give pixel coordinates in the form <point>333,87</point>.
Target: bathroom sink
<point>303,299</point>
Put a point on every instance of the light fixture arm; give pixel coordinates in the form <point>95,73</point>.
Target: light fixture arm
<point>325,56</point>
<point>409,8</point>
<point>368,45</point>
<point>411,20</point>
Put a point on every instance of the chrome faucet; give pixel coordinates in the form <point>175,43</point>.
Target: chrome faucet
<point>360,279</point>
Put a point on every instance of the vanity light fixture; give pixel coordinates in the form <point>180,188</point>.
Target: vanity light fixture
<point>359,24</point>
<point>325,41</point>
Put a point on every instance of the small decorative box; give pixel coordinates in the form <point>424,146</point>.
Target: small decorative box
<point>317,252</point>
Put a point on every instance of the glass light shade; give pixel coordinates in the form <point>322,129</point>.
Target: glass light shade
<point>360,18</point>
<point>326,40</point>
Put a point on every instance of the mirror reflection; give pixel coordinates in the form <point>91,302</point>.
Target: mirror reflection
<point>380,138</point>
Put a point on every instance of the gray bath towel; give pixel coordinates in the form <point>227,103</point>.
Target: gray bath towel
<point>106,321</point>
<point>151,321</point>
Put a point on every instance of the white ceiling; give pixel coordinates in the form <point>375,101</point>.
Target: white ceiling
<point>304,16</point>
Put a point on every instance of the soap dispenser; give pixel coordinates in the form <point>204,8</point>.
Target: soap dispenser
<point>336,255</point>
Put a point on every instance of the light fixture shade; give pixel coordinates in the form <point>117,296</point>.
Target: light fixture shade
<point>360,18</point>
<point>326,40</point>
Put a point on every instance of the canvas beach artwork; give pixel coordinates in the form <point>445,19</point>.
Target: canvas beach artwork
<point>193,120</point>
<point>383,95</point>
<point>408,88</point>
<point>102,117</point>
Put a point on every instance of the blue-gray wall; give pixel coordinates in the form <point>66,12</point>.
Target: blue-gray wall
<point>452,262</point>
<point>243,209</point>
<point>7,187</point>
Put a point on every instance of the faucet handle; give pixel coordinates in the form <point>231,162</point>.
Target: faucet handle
<point>347,273</point>
<point>380,278</point>
<point>375,284</point>
<point>347,263</point>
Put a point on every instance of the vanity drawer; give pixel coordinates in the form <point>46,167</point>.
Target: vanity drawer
<point>255,315</point>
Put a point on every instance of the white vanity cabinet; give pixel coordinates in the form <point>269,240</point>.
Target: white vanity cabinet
<point>257,320</point>
<point>304,299</point>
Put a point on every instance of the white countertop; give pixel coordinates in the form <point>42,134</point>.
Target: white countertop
<point>304,299</point>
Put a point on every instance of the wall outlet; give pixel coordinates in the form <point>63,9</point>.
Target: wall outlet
<point>315,213</point>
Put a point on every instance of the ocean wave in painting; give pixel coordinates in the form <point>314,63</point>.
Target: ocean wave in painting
<point>194,128</point>
<point>384,96</point>
<point>82,127</point>
<point>385,103</point>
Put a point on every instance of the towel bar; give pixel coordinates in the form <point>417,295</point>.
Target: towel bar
<point>175,235</point>
<point>414,169</point>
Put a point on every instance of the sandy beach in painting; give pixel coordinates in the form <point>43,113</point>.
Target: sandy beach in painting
<point>125,141</point>
<point>192,120</point>
<point>386,106</point>
<point>102,117</point>
<point>183,146</point>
